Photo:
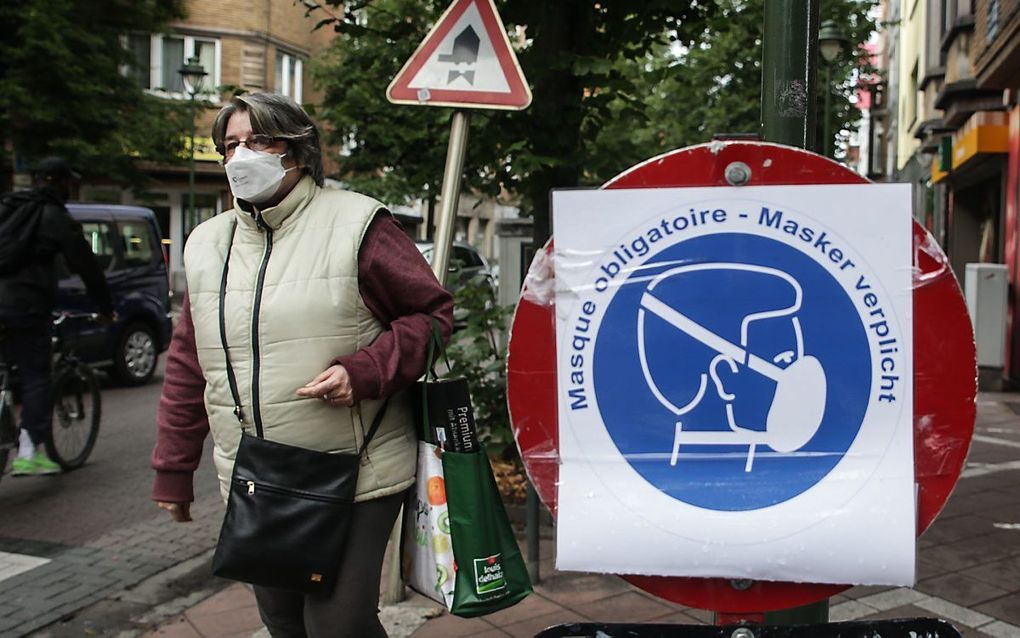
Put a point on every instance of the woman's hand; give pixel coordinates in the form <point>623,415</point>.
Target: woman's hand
<point>180,512</point>
<point>332,386</point>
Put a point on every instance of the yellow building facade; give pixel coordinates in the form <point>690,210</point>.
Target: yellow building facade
<point>912,65</point>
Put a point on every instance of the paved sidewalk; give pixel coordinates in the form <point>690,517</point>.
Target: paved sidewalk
<point>968,570</point>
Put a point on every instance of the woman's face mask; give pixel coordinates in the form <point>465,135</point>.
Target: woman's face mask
<point>254,176</point>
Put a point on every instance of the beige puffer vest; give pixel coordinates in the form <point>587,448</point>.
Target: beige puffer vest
<point>292,306</point>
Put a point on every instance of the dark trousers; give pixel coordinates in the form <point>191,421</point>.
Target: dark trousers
<point>353,607</point>
<point>26,344</point>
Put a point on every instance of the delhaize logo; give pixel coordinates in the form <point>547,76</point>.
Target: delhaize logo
<point>489,574</point>
<point>732,354</point>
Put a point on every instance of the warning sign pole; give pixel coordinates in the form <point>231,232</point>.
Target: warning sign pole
<point>465,61</point>
<point>449,196</point>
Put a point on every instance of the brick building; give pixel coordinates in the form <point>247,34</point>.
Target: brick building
<point>253,44</point>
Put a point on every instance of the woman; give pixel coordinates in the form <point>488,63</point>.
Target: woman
<point>328,311</point>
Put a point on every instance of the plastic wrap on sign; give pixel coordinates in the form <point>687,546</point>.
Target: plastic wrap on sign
<point>944,373</point>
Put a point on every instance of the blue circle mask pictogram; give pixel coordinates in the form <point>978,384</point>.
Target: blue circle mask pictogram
<point>732,371</point>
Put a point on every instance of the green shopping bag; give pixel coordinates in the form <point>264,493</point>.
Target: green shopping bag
<point>489,571</point>
<point>491,574</point>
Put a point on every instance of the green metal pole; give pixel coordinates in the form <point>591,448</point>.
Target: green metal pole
<point>826,133</point>
<point>531,531</point>
<point>789,64</point>
<point>789,52</point>
<point>191,165</point>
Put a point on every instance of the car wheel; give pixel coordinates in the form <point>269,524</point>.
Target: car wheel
<point>135,359</point>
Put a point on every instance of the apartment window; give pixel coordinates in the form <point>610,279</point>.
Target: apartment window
<point>993,19</point>
<point>955,9</point>
<point>140,70</point>
<point>935,31</point>
<point>158,57</point>
<point>289,76</point>
<point>911,105</point>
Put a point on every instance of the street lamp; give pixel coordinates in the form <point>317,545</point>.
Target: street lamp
<point>192,74</point>
<point>831,43</point>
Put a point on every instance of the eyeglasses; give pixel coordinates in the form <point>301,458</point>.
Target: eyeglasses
<point>257,142</point>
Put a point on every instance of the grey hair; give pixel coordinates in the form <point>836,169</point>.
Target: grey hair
<point>282,118</point>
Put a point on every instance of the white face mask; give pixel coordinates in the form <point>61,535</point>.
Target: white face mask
<point>254,176</point>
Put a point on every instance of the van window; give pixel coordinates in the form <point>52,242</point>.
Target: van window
<point>136,239</point>
<point>97,235</point>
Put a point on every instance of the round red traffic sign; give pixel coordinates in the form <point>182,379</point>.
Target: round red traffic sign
<point>945,365</point>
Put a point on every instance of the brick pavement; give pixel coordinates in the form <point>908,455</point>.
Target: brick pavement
<point>968,570</point>
<point>72,578</point>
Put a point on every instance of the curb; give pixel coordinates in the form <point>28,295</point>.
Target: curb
<point>133,611</point>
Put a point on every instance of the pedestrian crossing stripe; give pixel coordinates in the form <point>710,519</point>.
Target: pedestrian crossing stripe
<point>13,564</point>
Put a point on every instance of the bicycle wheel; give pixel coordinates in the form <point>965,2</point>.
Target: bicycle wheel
<point>76,412</point>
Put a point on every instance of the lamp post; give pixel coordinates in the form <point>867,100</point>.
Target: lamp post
<point>788,80</point>
<point>192,74</point>
<point>831,43</point>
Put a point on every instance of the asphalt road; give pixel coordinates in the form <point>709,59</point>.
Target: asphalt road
<point>111,491</point>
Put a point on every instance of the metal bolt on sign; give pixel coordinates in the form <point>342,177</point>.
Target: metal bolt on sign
<point>742,632</point>
<point>741,584</point>
<point>737,174</point>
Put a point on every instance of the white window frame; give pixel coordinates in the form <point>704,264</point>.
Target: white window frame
<point>293,76</point>
<point>210,84</point>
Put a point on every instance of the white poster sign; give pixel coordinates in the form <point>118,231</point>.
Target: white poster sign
<point>735,387</point>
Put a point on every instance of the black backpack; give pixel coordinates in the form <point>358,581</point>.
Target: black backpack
<point>19,221</point>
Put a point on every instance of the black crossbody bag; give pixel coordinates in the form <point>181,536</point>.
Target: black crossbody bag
<point>289,507</point>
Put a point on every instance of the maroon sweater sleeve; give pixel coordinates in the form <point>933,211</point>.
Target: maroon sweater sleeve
<point>401,291</point>
<point>181,421</point>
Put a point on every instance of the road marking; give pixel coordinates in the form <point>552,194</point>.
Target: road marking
<point>13,564</point>
<point>995,441</point>
<point>878,603</point>
<point>981,469</point>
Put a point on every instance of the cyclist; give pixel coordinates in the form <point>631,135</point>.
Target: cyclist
<point>35,227</point>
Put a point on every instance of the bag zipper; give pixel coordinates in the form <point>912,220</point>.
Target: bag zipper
<point>253,486</point>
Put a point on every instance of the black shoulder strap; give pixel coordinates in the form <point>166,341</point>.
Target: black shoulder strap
<point>376,422</point>
<point>231,379</point>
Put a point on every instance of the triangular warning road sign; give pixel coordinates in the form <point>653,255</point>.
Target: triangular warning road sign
<point>464,61</point>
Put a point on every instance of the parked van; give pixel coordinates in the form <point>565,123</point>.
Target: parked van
<point>128,245</point>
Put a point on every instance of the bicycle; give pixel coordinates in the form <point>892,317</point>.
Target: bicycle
<point>77,403</point>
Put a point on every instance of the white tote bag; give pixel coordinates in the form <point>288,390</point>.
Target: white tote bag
<point>427,547</point>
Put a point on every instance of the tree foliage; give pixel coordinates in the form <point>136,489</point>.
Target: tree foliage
<point>571,56</point>
<point>614,82</point>
<point>715,87</point>
<point>63,91</point>
<point>391,152</point>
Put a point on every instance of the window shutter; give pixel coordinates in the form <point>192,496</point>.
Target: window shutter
<point>253,66</point>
